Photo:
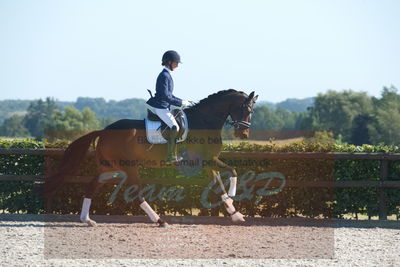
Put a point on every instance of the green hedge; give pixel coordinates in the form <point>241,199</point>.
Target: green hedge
<point>185,199</point>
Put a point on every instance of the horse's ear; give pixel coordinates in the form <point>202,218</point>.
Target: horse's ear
<point>254,99</point>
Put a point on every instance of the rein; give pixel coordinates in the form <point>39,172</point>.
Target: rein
<point>234,123</point>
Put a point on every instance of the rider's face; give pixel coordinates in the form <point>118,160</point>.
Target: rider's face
<point>174,65</point>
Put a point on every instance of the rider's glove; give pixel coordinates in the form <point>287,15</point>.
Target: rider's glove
<point>186,103</point>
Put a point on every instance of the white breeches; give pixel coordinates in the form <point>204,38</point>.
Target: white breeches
<point>166,115</point>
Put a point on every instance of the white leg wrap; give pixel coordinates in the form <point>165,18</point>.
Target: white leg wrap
<point>85,212</point>
<point>232,186</point>
<point>228,203</point>
<point>149,211</point>
<point>85,209</point>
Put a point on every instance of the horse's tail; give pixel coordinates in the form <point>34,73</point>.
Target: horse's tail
<point>73,156</point>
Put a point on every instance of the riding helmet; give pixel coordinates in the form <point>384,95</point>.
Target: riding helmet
<point>171,55</point>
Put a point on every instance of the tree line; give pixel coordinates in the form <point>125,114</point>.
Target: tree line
<point>43,117</point>
<point>352,117</point>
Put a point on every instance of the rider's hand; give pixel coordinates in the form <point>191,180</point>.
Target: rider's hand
<point>186,103</point>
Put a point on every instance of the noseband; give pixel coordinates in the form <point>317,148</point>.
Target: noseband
<point>237,123</point>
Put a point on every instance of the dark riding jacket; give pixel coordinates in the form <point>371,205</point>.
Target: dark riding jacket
<point>164,87</point>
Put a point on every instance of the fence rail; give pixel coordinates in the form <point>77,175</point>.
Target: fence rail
<point>381,182</point>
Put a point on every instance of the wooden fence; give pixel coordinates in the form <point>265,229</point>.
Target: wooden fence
<point>381,183</point>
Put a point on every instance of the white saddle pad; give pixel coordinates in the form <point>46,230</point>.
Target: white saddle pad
<point>154,135</point>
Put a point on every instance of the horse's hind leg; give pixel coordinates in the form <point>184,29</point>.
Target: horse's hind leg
<point>151,213</point>
<point>91,189</point>
<point>87,201</point>
<point>141,201</point>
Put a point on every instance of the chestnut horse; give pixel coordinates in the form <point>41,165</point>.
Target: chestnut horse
<point>125,140</point>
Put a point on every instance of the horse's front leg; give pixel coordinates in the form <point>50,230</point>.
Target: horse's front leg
<point>236,216</point>
<point>232,179</point>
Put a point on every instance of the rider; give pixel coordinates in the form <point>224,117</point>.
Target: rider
<point>164,98</point>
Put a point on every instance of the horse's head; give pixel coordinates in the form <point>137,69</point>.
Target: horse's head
<point>240,111</point>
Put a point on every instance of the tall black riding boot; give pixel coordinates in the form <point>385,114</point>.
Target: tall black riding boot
<point>171,150</point>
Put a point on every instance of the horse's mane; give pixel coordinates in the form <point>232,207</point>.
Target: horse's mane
<point>214,97</point>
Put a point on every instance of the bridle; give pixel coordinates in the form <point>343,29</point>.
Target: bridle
<point>238,123</point>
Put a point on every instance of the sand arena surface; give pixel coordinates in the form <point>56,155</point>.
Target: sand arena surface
<point>128,241</point>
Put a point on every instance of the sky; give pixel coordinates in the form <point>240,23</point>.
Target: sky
<point>280,49</point>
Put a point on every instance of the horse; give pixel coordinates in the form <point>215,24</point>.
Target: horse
<point>123,140</point>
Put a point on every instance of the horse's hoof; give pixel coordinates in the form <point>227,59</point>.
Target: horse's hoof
<point>237,217</point>
<point>90,222</point>
<point>163,225</point>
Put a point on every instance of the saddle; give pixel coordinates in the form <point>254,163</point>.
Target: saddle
<point>155,127</point>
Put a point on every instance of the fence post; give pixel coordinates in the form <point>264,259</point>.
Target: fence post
<point>384,170</point>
